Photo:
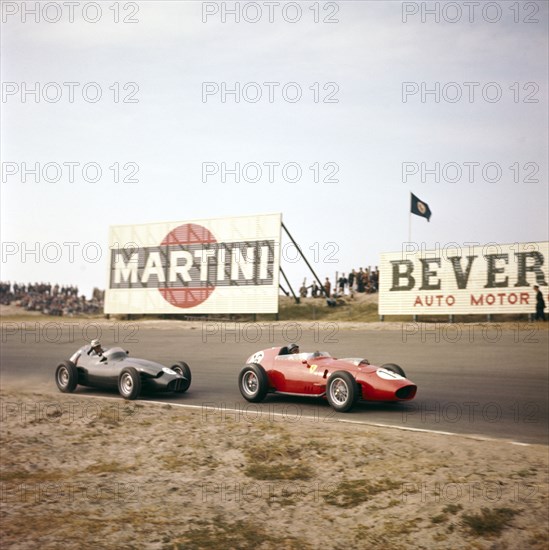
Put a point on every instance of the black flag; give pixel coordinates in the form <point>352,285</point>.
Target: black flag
<point>420,208</point>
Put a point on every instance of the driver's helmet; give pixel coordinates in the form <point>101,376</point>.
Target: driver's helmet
<point>95,344</point>
<point>293,348</point>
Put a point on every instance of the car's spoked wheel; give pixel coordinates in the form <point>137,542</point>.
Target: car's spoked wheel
<point>129,383</point>
<point>253,383</point>
<point>66,377</point>
<point>339,392</point>
<point>342,391</point>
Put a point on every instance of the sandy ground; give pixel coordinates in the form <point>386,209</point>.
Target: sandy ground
<point>83,472</point>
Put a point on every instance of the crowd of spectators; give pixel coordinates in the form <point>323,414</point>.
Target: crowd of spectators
<point>361,281</point>
<point>51,299</point>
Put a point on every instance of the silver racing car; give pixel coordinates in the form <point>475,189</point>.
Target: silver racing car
<point>113,368</point>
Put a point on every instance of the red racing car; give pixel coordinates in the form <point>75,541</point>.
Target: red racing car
<point>342,381</point>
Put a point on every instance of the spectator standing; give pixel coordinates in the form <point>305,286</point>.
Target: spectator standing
<point>375,280</point>
<point>342,283</point>
<point>360,281</point>
<point>540,304</point>
<point>352,277</point>
<point>327,287</point>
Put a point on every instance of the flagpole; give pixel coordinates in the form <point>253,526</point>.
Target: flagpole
<point>410,220</point>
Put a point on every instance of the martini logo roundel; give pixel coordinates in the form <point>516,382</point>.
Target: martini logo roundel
<point>192,293</point>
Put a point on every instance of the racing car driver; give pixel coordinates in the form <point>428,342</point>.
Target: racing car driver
<point>293,348</point>
<point>95,349</point>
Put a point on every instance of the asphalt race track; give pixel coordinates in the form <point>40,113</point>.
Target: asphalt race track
<point>489,383</point>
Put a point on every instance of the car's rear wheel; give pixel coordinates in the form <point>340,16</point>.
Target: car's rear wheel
<point>129,383</point>
<point>253,383</point>
<point>394,368</point>
<point>183,369</point>
<point>342,391</point>
<point>66,376</point>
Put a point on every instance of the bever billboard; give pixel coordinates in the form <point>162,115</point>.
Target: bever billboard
<point>495,278</point>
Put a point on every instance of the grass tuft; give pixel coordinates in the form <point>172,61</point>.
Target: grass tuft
<point>276,460</point>
<point>489,522</point>
<point>351,493</point>
<point>243,535</point>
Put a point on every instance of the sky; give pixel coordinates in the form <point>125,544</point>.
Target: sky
<point>362,122</point>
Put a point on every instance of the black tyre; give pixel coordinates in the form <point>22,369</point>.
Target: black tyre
<point>253,383</point>
<point>182,368</point>
<point>342,391</point>
<point>66,376</point>
<point>394,368</point>
<point>129,383</point>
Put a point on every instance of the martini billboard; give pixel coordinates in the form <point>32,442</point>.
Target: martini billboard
<point>222,265</point>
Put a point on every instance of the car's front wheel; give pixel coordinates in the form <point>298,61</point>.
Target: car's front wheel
<point>394,368</point>
<point>66,376</point>
<point>129,383</point>
<point>253,383</point>
<point>183,369</point>
<point>342,391</point>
